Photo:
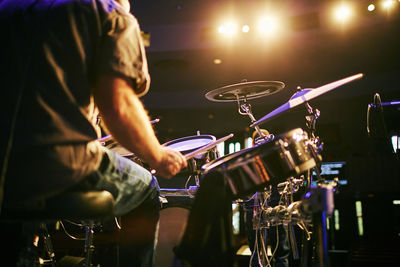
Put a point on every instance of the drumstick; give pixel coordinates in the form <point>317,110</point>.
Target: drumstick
<point>109,137</point>
<point>154,121</point>
<point>202,149</point>
<point>207,147</point>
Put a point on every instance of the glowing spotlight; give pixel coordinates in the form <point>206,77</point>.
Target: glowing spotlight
<point>217,61</point>
<point>268,25</point>
<point>371,7</point>
<point>228,28</point>
<point>387,4</point>
<point>245,28</point>
<point>343,13</point>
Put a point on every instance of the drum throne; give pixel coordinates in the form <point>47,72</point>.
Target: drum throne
<point>36,247</point>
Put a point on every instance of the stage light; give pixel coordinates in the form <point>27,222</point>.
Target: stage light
<point>268,25</point>
<point>371,7</point>
<point>228,28</point>
<point>245,28</point>
<point>343,12</point>
<point>217,61</point>
<point>388,4</point>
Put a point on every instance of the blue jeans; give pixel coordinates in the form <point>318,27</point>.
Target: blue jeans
<point>136,194</point>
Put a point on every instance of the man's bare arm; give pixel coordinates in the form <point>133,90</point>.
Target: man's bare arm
<point>127,120</point>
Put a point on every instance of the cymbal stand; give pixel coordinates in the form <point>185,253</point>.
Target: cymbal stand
<point>311,118</point>
<point>245,109</point>
<point>291,232</point>
<point>315,145</point>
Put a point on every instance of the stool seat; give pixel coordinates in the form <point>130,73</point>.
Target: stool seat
<point>90,205</point>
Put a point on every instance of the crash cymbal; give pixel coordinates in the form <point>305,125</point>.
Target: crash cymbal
<point>244,90</point>
<point>305,95</point>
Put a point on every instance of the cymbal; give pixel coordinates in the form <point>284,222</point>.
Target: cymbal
<point>305,95</point>
<point>244,90</point>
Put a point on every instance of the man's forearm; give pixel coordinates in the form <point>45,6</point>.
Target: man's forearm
<point>126,118</point>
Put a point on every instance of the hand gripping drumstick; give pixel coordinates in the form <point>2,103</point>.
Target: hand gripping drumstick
<point>207,147</point>
<point>202,149</point>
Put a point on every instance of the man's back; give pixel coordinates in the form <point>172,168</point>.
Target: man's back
<point>49,63</point>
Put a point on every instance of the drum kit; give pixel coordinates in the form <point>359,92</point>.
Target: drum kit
<point>288,161</point>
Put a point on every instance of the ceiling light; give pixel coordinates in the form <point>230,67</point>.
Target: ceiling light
<point>387,4</point>
<point>268,25</point>
<point>217,61</point>
<point>228,28</point>
<point>245,28</point>
<point>371,7</point>
<point>343,12</point>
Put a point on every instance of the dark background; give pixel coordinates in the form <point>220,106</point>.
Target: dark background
<point>312,52</point>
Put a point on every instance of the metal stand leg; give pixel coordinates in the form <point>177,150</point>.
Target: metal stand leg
<point>320,219</point>
<point>48,246</point>
<point>89,247</point>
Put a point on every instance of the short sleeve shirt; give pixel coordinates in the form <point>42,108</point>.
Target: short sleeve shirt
<point>56,50</point>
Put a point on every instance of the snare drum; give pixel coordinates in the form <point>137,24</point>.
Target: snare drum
<point>173,219</point>
<point>189,144</point>
<point>272,162</point>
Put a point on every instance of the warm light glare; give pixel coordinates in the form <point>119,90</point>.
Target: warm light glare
<point>217,61</point>
<point>371,7</point>
<point>387,4</point>
<point>245,28</point>
<point>268,25</point>
<point>229,28</point>
<point>343,13</point>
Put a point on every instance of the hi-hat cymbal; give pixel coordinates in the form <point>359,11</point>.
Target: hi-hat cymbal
<point>244,90</point>
<point>304,96</point>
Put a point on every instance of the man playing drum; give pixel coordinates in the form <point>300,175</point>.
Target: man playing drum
<point>62,60</point>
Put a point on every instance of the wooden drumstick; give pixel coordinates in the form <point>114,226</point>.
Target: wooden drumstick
<point>154,121</point>
<point>109,137</point>
<point>202,149</point>
<point>207,147</point>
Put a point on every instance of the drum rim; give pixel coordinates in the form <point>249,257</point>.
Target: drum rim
<point>192,137</point>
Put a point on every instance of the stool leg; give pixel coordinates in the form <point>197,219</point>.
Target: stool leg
<point>36,235</point>
<point>89,247</point>
<point>48,247</point>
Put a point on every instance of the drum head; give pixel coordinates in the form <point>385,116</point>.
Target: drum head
<point>190,143</point>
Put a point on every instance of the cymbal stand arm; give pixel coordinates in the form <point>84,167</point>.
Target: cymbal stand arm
<point>245,109</point>
<point>311,119</point>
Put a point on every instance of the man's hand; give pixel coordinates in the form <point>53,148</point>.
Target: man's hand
<point>170,164</point>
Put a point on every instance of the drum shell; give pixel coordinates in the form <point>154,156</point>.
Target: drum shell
<point>272,162</point>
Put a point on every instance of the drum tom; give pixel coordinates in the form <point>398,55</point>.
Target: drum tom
<point>251,169</point>
<point>189,144</point>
